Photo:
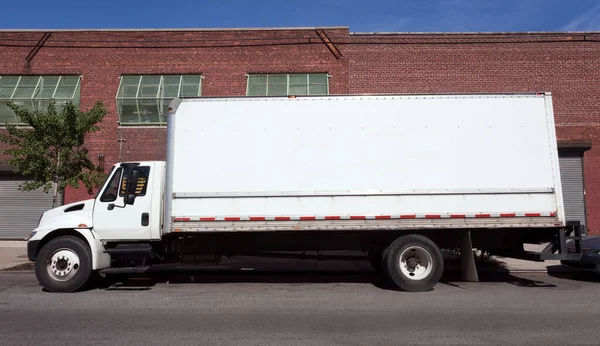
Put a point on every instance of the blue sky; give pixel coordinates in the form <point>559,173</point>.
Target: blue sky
<point>360,16</point>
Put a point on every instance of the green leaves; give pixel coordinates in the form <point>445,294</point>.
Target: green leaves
<point>51,149</point>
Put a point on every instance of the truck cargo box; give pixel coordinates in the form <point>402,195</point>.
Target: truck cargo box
<point>362,162</point>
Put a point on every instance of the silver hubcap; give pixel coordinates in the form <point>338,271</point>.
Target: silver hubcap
<point>63,264</point>
<point>416,263</point>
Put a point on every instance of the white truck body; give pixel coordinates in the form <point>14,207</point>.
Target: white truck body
<point>364,162</point>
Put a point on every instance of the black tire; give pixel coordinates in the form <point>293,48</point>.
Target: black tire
<point>419,245</point>
<point>81,274</point>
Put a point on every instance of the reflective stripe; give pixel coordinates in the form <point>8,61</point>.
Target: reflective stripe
<point>362,217</point>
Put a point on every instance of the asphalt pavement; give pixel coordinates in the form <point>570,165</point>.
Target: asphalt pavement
<point>322,308</point>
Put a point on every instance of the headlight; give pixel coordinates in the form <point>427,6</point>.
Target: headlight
<point>31,235</point>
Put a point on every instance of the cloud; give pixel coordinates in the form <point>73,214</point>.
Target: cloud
<point>587,21</point>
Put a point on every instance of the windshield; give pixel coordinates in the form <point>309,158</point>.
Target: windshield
<point>115,173</point>
<point>111,190</point>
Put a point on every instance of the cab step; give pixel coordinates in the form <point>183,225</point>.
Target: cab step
<point>130,249</point>
<point>125,270</point>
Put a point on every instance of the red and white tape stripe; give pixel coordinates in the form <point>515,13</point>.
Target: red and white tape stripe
<point>361,217</point>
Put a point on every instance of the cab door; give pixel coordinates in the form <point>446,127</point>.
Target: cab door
<point>113,220</point>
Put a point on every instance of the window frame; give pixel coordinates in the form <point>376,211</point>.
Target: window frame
<point>159,98</point>
<point>307,74</point>
<point>34,100</point>
<point>145,170</point>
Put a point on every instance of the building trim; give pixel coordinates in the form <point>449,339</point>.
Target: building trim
<point>574,145</point>
<point>461,33</point>
<point>179,29</point>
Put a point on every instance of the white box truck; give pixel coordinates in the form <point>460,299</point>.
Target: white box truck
<point>397,176</point>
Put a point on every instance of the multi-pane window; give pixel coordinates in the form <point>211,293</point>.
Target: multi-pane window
<point>35,92</point>
<point>287,84</point>
<point>144,100</point>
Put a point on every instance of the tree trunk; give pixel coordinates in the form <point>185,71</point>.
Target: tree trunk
<point>55,183</point>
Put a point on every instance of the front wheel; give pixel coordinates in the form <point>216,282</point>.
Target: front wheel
<point>64,264</point>
<point>414,263</point>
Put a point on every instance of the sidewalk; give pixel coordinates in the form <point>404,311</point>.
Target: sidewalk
<point>14,253</point>
<point>517,265</point>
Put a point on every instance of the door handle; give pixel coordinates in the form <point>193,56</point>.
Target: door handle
<point>145,219</point>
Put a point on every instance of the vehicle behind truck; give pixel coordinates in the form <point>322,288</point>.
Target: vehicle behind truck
<point>399,177</point>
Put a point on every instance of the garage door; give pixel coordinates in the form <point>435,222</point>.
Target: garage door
<point>20,210</point>
<point>571,173</point>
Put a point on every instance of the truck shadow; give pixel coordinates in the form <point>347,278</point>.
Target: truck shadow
<point>306,277</point>
<point>575,275</point>
<point>146,282</point>
<point>453,278</point>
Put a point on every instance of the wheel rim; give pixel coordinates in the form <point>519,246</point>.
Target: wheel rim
<point>416,263</point>
<point>63,264</point>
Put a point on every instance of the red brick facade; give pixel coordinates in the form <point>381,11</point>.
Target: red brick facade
<point>568,65</point>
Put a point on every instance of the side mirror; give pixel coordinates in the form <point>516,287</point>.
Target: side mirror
<point>129,199</point>
<point>132,187</point>
<point>133,181</point>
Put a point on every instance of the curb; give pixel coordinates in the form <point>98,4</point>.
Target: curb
<point>8,267</point>
<point>3,272</point>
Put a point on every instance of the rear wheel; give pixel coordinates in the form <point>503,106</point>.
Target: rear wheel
<point>64,264</point>
<point>414,263</point>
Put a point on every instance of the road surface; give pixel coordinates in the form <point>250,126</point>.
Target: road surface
<point>328,308</point>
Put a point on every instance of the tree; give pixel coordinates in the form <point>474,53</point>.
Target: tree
<point>50,147</point>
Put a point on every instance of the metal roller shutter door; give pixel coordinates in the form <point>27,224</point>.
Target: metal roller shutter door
<point>571,173</point>
<point>20,210</point>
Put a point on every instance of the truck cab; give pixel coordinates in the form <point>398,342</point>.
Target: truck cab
<point>120,215</point>
<point>127,208</point>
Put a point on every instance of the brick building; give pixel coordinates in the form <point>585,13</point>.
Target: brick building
<point>136,72</point>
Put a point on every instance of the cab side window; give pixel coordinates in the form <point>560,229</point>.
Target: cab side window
<point>111,190</point>
<point>141,184</point>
